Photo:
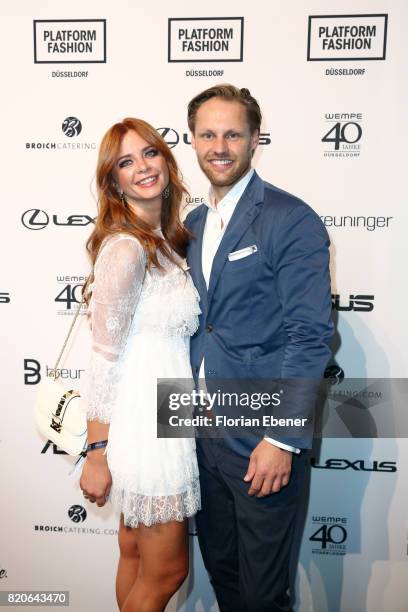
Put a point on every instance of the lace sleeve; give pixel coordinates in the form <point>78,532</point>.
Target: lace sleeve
<point>119,274</point>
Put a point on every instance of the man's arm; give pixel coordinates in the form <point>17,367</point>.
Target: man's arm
<point>301,262</point>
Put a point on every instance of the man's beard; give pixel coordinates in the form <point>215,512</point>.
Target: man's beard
<point>218,180</point>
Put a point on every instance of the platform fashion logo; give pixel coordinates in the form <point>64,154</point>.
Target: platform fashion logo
<point>206,39</point>
<point>71,126</point>
<point>347,37</point>
<point>69,41</point>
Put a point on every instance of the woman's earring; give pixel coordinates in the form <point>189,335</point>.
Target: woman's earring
<point>166,192</point>
<point>122,198</point>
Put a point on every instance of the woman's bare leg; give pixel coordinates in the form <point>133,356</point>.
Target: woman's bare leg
<point>162,566</point>
<point>128,562</point>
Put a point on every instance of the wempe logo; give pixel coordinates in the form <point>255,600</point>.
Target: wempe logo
<point>347,37</point>
<point>331,535</point>
<point>344,134</point>
<point>70,41</point>
<point>206,39</point>
<point>70,294</point>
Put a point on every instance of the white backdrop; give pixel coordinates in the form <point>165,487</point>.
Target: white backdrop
<point>130,60</point>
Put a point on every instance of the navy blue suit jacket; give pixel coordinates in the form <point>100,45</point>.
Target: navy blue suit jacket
<point>267,315</point>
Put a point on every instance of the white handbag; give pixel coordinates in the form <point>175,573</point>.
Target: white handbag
<point>59,413</point>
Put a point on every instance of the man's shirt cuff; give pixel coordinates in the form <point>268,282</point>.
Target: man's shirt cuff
<point>287,447</point>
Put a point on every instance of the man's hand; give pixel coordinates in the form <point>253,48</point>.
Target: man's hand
<point>269,469</point>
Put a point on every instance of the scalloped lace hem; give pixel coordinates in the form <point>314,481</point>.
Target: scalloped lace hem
<point>149,510</point>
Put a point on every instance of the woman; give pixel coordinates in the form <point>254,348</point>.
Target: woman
<point>143,308</point>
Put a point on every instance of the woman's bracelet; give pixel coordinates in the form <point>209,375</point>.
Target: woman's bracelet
<point>94,445</point>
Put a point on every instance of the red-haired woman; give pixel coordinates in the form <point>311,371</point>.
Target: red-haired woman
<point>143,308</point>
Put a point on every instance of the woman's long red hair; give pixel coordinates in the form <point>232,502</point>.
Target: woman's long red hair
<point>114,217</point>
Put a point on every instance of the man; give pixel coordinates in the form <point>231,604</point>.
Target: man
<point>259,259</point>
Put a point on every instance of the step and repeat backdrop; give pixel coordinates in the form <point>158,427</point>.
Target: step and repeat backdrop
<point>331,81</point>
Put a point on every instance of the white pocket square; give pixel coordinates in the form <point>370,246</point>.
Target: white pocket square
<point>250,250</point>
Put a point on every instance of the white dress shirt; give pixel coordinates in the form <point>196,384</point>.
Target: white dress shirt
<point>218,217</point>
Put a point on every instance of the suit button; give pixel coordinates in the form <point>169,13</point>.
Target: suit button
<point>209,328</point>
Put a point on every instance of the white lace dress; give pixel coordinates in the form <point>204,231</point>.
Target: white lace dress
<point>141,323</point>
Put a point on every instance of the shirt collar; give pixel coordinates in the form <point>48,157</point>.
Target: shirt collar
<point>233,195</point>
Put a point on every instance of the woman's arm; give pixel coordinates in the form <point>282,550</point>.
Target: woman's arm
<point>119,274</point>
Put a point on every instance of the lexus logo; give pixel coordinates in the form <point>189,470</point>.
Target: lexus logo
<point>77,513</point>
<point>169,135</point>
<point>35,219</point>
<point>71,126</point>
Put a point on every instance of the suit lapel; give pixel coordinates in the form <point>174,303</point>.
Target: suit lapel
<point>196,259</point>
<point>244,214</point>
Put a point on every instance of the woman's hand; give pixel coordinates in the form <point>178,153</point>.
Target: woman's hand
<point>96,479</point>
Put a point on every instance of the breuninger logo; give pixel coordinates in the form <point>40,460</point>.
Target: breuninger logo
<point>370,223</point>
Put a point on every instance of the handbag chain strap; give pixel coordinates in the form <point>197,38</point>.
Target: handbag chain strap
<point>53,371</point>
